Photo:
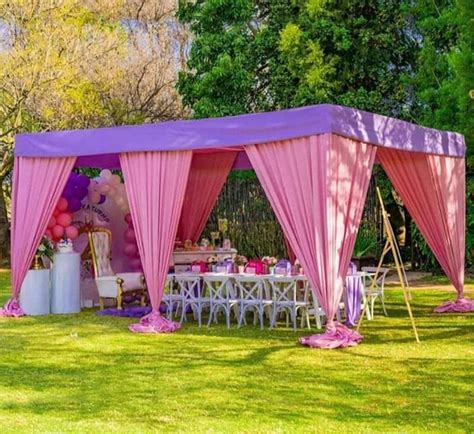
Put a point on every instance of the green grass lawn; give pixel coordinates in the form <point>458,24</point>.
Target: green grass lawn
<point>85,373</point>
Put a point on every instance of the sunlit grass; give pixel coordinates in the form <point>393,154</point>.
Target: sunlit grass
<point>85,373</point>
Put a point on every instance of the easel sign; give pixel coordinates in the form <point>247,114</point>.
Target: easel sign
<point>391,246</point>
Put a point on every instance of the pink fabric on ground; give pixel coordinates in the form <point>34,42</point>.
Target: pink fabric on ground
<point>317,187</point>
<point>37,187</point>
<point>206,178</point>
<point>461,305</point>
<point>432,187</point>
<point>12,309</point>
<point>337,336</point>
<point>154,323</point>
<point>155,183</point>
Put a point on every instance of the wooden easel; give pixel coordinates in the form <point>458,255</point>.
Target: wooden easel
<point>391,245</point>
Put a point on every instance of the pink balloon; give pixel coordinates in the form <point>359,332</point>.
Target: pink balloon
<point>72,232</point>
<point>51,223</point>
<point>136,264</point>
<point>104,188</point>
<point>115,180</point>
<point>130,250</point>
<point>58,231</point>
<point>128,218</point>
<point>62,204</point>
<point>130,235</point>
<point>64,219</point>
<point>48,234</point>
<point>56,212</point>
<point>94,197</point>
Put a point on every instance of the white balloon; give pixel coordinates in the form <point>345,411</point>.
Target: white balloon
<point>106,174</point>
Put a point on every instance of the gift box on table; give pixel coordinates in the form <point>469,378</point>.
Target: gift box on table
<point>283,267</point>
<point>199,267</point>
<point>225,266</point>
<point>255,266</point>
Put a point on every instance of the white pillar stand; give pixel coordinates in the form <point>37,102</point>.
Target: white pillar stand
<point>65,283</point>
<point>34,295</point>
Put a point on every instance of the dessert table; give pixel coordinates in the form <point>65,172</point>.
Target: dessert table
<point>65,283</point>
<point>182,257</point>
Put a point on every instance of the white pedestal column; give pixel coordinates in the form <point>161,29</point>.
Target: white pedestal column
<point>65,283</point>
<point>34,295</point>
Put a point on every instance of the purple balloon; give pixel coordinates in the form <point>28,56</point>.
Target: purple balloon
<point>74,204</point>
<point>102,199</point>
<point>83,181</point>
<point>80,192</point>
<point>68,192</point>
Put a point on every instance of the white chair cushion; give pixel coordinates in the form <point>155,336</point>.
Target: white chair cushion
<point>107,286</point>
<point>131,281</point>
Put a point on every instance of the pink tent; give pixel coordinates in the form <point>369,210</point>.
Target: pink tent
<point>314,164</point>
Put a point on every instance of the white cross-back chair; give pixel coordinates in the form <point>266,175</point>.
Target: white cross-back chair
<point>286,299</point>
<point>250,294</point>
<point>110,284</point>
<point>375,289</point>
<point>221,295</point>
<point>193,297</point>
<point>172,297</point>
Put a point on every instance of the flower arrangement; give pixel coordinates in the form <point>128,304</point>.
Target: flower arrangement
<point>240,260</point>
<point>205,244</point>
<point>269,261</point>
<point>212,260</point>
<point>46,249</point>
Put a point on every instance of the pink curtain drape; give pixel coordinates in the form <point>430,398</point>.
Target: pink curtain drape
<point>155,183</point>
<point>432,187</point>
<point>37,187</point>
<point>206,178</point>
<point>317,186</point>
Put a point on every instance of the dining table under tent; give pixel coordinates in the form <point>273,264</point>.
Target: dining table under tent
<point>314,164</point>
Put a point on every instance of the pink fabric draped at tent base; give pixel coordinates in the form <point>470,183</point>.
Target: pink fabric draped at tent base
<point>432,187</point>
<point>317,187</point>
<point>207,176</point>
<point>155,183</point>
<point>37,187</point>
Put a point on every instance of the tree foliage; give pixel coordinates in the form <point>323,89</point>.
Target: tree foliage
<point>412,60</point>
<point>75,64</point>
<point>444,80</point>
<point>258,55</point>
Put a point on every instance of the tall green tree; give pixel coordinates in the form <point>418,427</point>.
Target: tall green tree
<point>444,80</point>
<point>75,64</point>
<point>250,55</point>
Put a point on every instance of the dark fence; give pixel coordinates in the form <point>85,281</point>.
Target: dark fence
<point>253,227</point>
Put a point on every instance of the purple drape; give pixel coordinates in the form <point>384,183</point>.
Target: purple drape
<point>432,187</point>
<point>37,187</point>
<point>317,186</point>
<point>206,178</point>
<point>155,183</point>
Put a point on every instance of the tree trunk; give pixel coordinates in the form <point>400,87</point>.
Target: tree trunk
<point>4,231</point>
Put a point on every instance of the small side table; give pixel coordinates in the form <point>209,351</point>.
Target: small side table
<point>34,294</point>
<point>65,283</point>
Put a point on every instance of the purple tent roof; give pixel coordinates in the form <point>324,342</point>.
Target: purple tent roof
<point>97,145</point>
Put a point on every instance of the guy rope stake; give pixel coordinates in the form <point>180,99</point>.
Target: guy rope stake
<point>391,245</point>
